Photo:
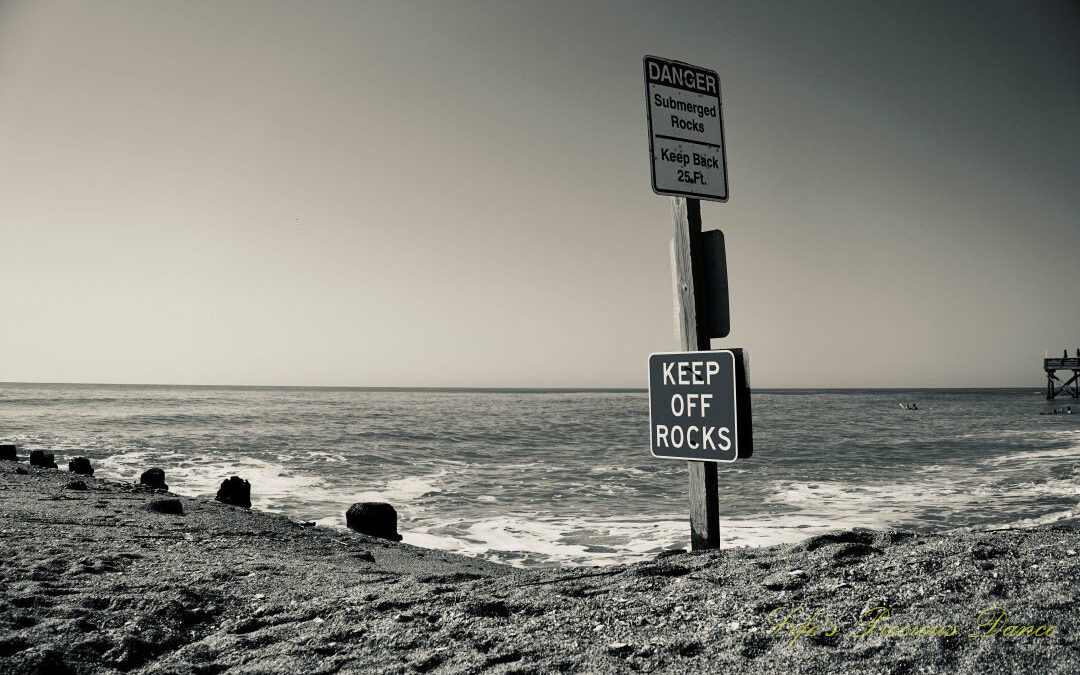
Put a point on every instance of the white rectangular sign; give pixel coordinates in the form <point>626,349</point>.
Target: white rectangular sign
<point>686,130</point>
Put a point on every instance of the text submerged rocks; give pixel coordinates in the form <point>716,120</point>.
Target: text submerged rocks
<point>236,491</point>
<point>376,519</point>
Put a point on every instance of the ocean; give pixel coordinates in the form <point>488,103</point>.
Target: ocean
<point>543,477</point>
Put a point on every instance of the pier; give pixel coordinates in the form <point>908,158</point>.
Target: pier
<point>1054,385</point>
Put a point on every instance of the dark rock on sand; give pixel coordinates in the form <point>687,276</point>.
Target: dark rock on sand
<point>856,536</point>
<point>236,491</point>
<point>81,465</point>
<point>171,506</point>
<point>154,478</point>
<point>77,485</point>
<point>21,470</point>
<point>377,519</point>
<point>7,453</point>
<point>42,458</point>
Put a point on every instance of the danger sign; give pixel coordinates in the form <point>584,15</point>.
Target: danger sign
<point>686,130</point>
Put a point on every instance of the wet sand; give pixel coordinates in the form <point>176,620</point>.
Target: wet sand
<point>92,581</point>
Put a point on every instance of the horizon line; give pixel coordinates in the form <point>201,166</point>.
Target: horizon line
<point>495,388</point>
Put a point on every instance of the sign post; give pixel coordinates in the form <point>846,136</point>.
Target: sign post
<point>699,401</point>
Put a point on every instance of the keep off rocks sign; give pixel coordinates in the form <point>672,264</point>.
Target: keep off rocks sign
<point>686,130</point>
<point>694,406</point>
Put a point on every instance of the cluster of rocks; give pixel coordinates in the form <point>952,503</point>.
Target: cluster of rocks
<point>47,460</point>
<point>375,519</point>
<point>42,459</point>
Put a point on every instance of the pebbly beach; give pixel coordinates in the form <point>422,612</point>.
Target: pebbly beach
<point>99,578</point>
<point>476,337</point>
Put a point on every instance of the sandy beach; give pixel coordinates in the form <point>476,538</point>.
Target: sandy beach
<point>96,582</point>
<point>477,316</point>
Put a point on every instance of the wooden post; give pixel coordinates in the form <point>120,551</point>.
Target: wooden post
<point>693,325</point>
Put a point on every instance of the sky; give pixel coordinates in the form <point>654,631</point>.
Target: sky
<point>457,193</point>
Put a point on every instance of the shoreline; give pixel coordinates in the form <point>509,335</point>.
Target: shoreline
<point>1036,389</point>
<point>97,583</point>
<point>566,481</point>
<point>424,540</point>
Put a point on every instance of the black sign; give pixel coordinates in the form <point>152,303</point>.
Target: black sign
<point>699,406</point>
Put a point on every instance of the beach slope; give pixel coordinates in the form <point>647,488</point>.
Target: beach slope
<point>93,581</point>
